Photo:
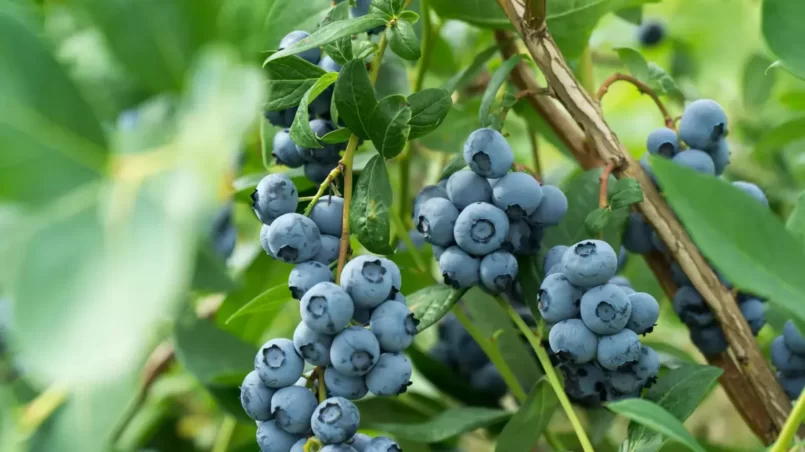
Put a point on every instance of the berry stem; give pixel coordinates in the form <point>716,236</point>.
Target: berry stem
<point>586,75</point>
<point>323,188</point>
<point>225,433</point>
<point>42,407</point>
<point>533,139</point>
<point>603,200</point>
<point>643,88</point>
<point>322,389</point>
<point>791,426</point>
<point>550,372</point>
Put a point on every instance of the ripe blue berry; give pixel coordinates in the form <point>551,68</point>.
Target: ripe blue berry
<point>367,281</point>
<point>318,171</point>
<point>703,123</point>
<point>459,269</point>
<point>753,191</point>
<point>306,275</point>
<point>326,308</point>
<point>721,156</point>
<point>517,194</point>
<point>648,366</point>
<point>292,407</point>
<point>754,313</point>
<point>427,193</point>
<point>488,153</point>
<point>585,383</point>
<point>498,271</point>
<point>590,263</point>
<point>637,236</point>
<point>390,376</point>
<point>311,55</point>
<point>573,341</point>
<point>792,385</point>
<point>551,209</point>
<point>690,307</point>
<point>793,339</point>
<point>663,142</point>
<point>360,442</point>
<point>786,361</point>
<point>699,161</point>
<point>554,256</point>
<point>278,364</point>
<point>650,33</point>
<point>487,379</point>
<point>299,446</point>
<point>255,397</point>
<point>264,240</point>
<point>355,351</point>
<point>327,153</point>
<point>383,444</point>
<point>346,386</point>
<point>644,163</point>
<point>284,150</point>
<point>605,309</point>
<point>396,276</point>
<point>709,339</point>
<point>435,220</point>
<point>645,312</point>
<point>328,252</point>
<point>678,276</point>
<point>271,438</point>
<point>522,239</point>
<point>625,380</point>
<point>327,213</point>
<point>618,349</point>
<point>335,420</point>
<point>657,243</point>
<point>312,346</point>
<point>329,64</point>
<point>620,281</point>
<point>275,195</point>
<point>481,228</point>
<point>465,187</point>
<point>394,326</point>
<point>294,238</point>
<point>337,448</point>
<point>558,299</point>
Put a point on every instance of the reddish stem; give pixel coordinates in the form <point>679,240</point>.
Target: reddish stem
<point>643,88</point>
<point>602,196</point>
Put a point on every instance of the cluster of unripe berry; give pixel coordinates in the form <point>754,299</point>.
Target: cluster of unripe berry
<point>788,356</point>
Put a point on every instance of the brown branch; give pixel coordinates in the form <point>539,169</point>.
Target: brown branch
<point>532,138</point>
<point>761,399</point>
<point>643,88</point>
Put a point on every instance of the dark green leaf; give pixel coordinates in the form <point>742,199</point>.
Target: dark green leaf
<point>649,73</point>
<point>267,304</point>
<point>369,213</point>
<point>465,77</point>
<point>432,303</point>
<point>779,64</point>
<point>448,424</point>
<point>523,431</point>
<point>633,14</point>
<point>355,97</point>
<point>460,122</point>
<point>498,79</point>
<point>455,165</point>
<point>301,132</point>
<point>330,33</point>
<point>388,125</point>
<point>211,273</point>
<point>757,84</point>
<point>363,49</point>
<point>288,80</point>
<point>447,380</point>
<point>484,13</point>
<point>740,236</point>
<point>403,40</point>
<point>784,33</point>
<point>429,107</point>
<point>656,418</point>
<point>634,61</point>
<point>387,8</point>
<point>597,220</point>
<point>337,136</point>
<point>409,16</point>
<point>627,192</point>
<point>339,50</point>
<point>796,221</point>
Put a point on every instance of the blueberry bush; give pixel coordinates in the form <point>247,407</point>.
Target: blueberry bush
<point>386,225</point>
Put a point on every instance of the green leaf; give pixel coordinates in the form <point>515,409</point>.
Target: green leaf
<point>455,165</point>
<point>656,418</point>
<point>627,192</point>
<point>664,82</point>
<point>47,130</point>
<point>460,122</point>
<point>355,97</point>
<point>267,303</point>
<point>211,273</point>
<point>387,8</point>
<point>783,32</point>
<point>483,13</point>
<point>778,137</point>
<point>337,136</point>
<point>388,125</point>
<point>524,429</point>
<point>757,84</point>
<point>679,392</point>
<point>432,303</point>
<point>649,73</point>
<point>403,40</point>
<point>498,79</point>
<point>448,424</point>
<point>330,33</point>
<point>409,16</point>
<point>634,62</point>
<point>369,213</point>
<point>288,80</point>
<point>633,15</point>
<point>465,77</point>
<point>429,107</point>
<point>779,64</point>
<point>301,132</point>
<point>740,236</point>
<point>339,50</point>
<point>447,381</point>
<point>597,220</point>
<point>796,221</point>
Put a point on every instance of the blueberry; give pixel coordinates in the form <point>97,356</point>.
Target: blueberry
<point>394,326</point>
<point>367,280</point>
<point>620,281</point>
<point>360,442</point>
<point>644,163</point>
<point>558,268</point>
<point>328,252</point>
<point>278,364</point>
<point>699,161</point>
<point>328,213</point>
<point>465,188</point>
<point>224,233</point>
<point>390,376</point>
<point>442,353</point>
<point>427,193</point>
<point>294,238</point>
<point>299,446</point>
<point>312,346</point>
<point>754,313</point>
<point>275,195</point>
<point>637,235</point>
<point>648,366</point>
<point>437,252</point>
<point>325,154</point>
<point>625,380</point>
<point>346,386</point>
<point>416,238</point>
<point>271,438</point>
<point>650,33</point>
<point>709,340</point>
<point>337,448</point>
<point>517,194</point>
<point>255,397</point>
<point>459,269</point>
<point>558,299</point>
<point>481,228</point>
<point>306,275</point>
<point>488,380</point>
<point>355,351</point>
<point>467,354</point>
<point>361,8</point>
<point>488,153</point>
<point>573,341</point>
<point>585,383</point>
<point>326,308</point>
<point>618,349</point>
<point>645,312</point>
<point>522,239</point>
<point>703,123</point>
<point>335,420</point>
<point>663,142</point>
<point>312,55</point>
<point>264,240</point>
<point>792,385</point>
<point>678,276</point>
<point>498,271</point>
<point>551,209</point>
<point>623,257</point>
<point>284,150</point>
<point>396,276</point>
<point>657,243</point>
<point>292,408</point>
<point>721,156</point>
<point>383,444</point>
<point>786,361</point>
<point>793,339</point>
<point>281,118</point>
<point>435,220</point>
<point>690,307</point>
<point>590,263</point>
<point>317,172</point>
<point>605,309</point>
<point>329,64</point>
<point>554,256</point>
<point>752,190</point>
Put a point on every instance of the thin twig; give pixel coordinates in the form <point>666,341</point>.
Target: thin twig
<point>328,182</point>
<point>532,138</point>
<point>603,200</point>
<point>643,88</point>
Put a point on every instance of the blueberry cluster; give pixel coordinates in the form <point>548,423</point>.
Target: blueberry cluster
<point>788,356</point>
<point>317,162</point>
<point>479,219</point>
<point>703,127</point>
<point>595,320</point>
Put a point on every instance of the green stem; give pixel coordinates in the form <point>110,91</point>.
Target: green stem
<point>225,434</point>
<point>550,372</point>
<point>586,76</point>
<point>420,263</point>
<point>554,442</point>
<point>494,355</point>
<point>42,407</point>
<point>322,388</point>
<point>381,50</point>
<point>323,187</point>
<point>791,425</point>
<point>404,168</point>
<point>428,33</point>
